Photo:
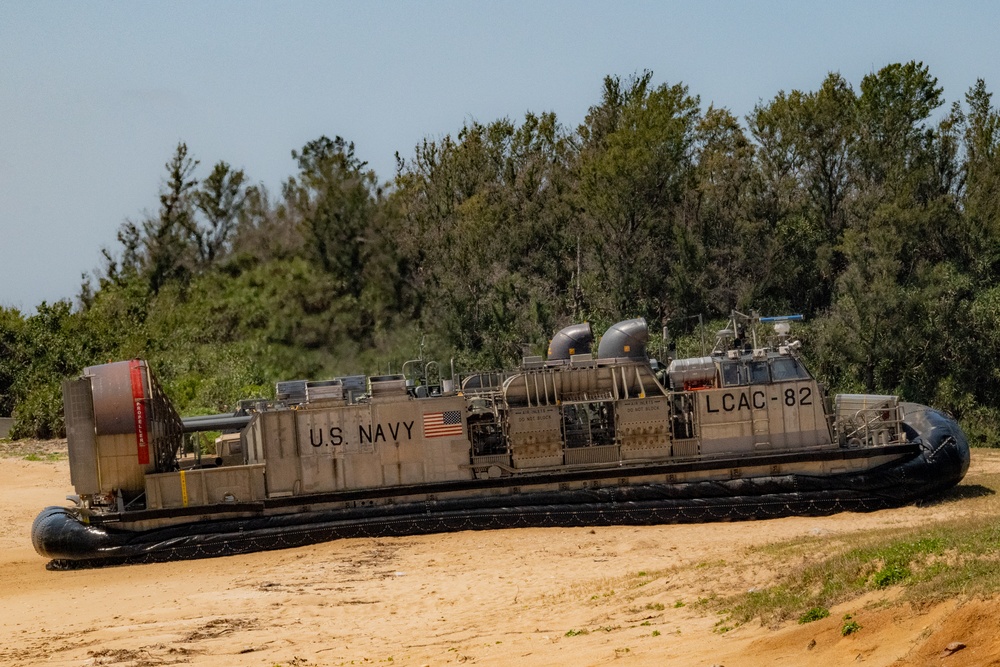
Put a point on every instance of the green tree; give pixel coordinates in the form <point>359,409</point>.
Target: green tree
<point>266,230</point>
<point>11,325</point>
<point>805,152</point>
<point>49,348</point>
<point>334,197</point>
<point>904,282</point>
<point>738,250</point>
<point>166,238</point>
<point>636,162</point>
<point>485,234</point>
<point>220,199</point>
<point>980,235</point>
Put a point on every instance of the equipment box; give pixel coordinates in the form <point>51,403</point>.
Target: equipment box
<point>205,486</point>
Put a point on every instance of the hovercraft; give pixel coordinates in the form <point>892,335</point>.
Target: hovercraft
<point>575,439</point>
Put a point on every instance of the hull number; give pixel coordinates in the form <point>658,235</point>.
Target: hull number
<point>755,400</point>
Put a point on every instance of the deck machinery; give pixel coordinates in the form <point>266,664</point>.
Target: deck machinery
<point>576,438</point>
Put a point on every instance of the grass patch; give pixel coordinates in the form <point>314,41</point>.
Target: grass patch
<point>850,626</point>
<point>50,456</point>
<point>891,574</point>
<point>625,588</point>
<point>814,614</point>
<point>649,606</point>
<point>960,557</point>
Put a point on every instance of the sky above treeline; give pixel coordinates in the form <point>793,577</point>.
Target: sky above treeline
<point>94,97</point>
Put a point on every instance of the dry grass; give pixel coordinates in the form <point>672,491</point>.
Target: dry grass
<point>958,557</point>
<point>34,450</point>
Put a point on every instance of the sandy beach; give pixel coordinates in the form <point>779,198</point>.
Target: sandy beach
<point>530,597</point>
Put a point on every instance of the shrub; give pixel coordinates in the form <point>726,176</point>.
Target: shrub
<point>850,626</point>
<point>814,614</point>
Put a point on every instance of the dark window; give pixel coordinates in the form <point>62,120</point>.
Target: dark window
<point>730,373</point>
<point>787,368</point>
<point>758,373</point>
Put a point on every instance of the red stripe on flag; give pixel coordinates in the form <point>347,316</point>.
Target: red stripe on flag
<point>443,424</point>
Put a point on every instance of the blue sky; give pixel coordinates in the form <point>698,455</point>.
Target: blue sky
<point>95,96</point>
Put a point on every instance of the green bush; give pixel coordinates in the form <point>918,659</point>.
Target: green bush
<point>892,573</point>
<point>814,614</point>
<point>850,626</point>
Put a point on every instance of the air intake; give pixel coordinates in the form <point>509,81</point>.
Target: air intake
<point>625,340</point>
<point>574,339</point>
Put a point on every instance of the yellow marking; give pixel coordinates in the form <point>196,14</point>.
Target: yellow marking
<point>184,488</point>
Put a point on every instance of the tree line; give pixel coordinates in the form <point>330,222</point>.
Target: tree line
<point>874,211</point>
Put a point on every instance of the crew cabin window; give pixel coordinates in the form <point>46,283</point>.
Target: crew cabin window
<point>737,373</point>
<point>733,374</point>
<point>759,373</point>
<point>787,368</point>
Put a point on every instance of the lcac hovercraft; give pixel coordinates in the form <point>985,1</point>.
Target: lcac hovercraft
<point>576,439</point>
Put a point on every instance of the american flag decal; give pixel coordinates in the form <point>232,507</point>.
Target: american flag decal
<point>443,424</point>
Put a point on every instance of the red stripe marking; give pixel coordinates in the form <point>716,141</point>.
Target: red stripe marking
<point>139,410</point>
